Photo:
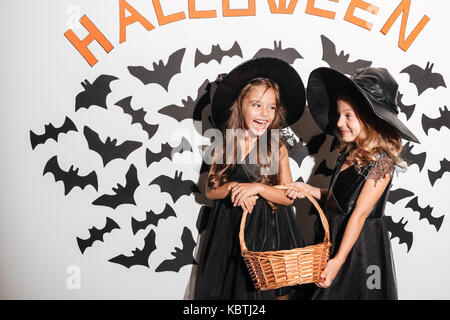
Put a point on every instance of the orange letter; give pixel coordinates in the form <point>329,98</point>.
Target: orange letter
<point>282,7</point>
<point>349,15</point>
<point>134,17</point>
<point>94,34</point>
<point>227,12</point>
<point>404,8</point>
<point>310,9</point>
<point>194,14</point>
<point>162,19</point>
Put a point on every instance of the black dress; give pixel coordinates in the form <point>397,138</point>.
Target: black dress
<point>368,272</point>
<point>222,273</point>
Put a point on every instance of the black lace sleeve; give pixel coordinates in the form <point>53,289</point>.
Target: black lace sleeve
<point>379,168</point>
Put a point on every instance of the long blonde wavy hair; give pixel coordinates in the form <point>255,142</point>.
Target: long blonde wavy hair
<point>219,173</point>
<point>376,137</point>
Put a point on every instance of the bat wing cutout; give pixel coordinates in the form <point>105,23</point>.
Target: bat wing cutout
<point>408,110</point>
<point>288,55</point>
<point>176,187</point>
<point>424,79</point>
<point>182,256</point>
<point>122,195</point>
<point>298,152</point>
<point>425,213</point>
<point>139,257</point>
<point>411,158</point>
<point>152,219</point>
<point>70,178</point>
<point>397,230</point>
<point>109,150</point>
<point>97,234</point>
<point>162,73</point>
<point>137,116</point>
<point>217,54</point>
<point>399,194</point>
<point>191,109</point>
<point>94,94</point>
<point>51,132</point>
<point>323,169</point>
<point>340,62</point>
<point>442,121</point>
<point>435,175</point>
<point>167,151</point>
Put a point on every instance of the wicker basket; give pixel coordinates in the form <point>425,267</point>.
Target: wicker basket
<point>275,269</point>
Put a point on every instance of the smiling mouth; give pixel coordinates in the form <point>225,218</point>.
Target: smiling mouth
<point>260,124</point>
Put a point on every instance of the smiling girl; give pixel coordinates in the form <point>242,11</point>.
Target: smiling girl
<point>362,112</point>
<point>258,98</point>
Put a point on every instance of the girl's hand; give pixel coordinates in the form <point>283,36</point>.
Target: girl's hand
<point>249,203</point>
<point>293,193</point>
<point>329,273</point>
<point>241,191</point>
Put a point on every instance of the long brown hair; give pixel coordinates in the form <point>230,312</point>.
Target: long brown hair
<point>219,173</point>
<point>376,137</point>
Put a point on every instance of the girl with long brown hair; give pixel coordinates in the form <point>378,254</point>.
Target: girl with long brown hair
<point>250,105</point>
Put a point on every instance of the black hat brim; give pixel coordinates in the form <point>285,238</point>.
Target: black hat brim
<point>292,90</point>
<point>325,84</point>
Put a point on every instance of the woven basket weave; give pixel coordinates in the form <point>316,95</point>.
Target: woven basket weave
<point>275,269</point>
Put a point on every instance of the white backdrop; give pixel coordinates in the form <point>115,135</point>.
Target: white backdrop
<point>41,76</point>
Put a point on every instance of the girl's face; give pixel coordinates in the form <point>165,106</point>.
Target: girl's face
<point>258,109</point>
<point>348,124</point>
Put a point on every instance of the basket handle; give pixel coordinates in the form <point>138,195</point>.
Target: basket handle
<point>323,219</point>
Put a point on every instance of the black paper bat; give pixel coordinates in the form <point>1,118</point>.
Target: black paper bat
<point>183,257</point>
<point>425,213</point>
<point>162,73</point>
<point>289,55</point>
<point>298,152</point>
<point>217,54</point>
<point>315,143</point>
<point>340,62</point>
<point>397,230</point>
<point>424,79</point>
<point>51,132</point>
<point>122,195</point>
<point>323,169</point>
<point>191,109</point>
<point>137,116</point>
<point>70,178</point>
<point>175,186</point>
<point>442,121</point>
<point>407,110</point>
<point>109,150</point>
<point>399,194</point>
<point>97,234</point>
<point>167,151</point>
<point>412,158</point>
<point>152,218</point>
<point>435,175</point>
<point>139,257</point>
<point>94,94</point>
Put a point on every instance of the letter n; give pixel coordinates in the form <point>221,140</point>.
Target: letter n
<point>82,45</point>
<point>403,8</point>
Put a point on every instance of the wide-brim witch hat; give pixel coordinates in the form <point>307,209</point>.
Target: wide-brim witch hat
<point>375,88</point>
<point>292,90</point>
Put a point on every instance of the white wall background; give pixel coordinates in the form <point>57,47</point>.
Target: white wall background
<point>40,78</point>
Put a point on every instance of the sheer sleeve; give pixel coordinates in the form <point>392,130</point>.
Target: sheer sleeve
<point>378,169</point>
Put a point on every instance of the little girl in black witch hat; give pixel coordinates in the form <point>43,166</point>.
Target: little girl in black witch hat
<point>362,112</point>
<point>257,97</point>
